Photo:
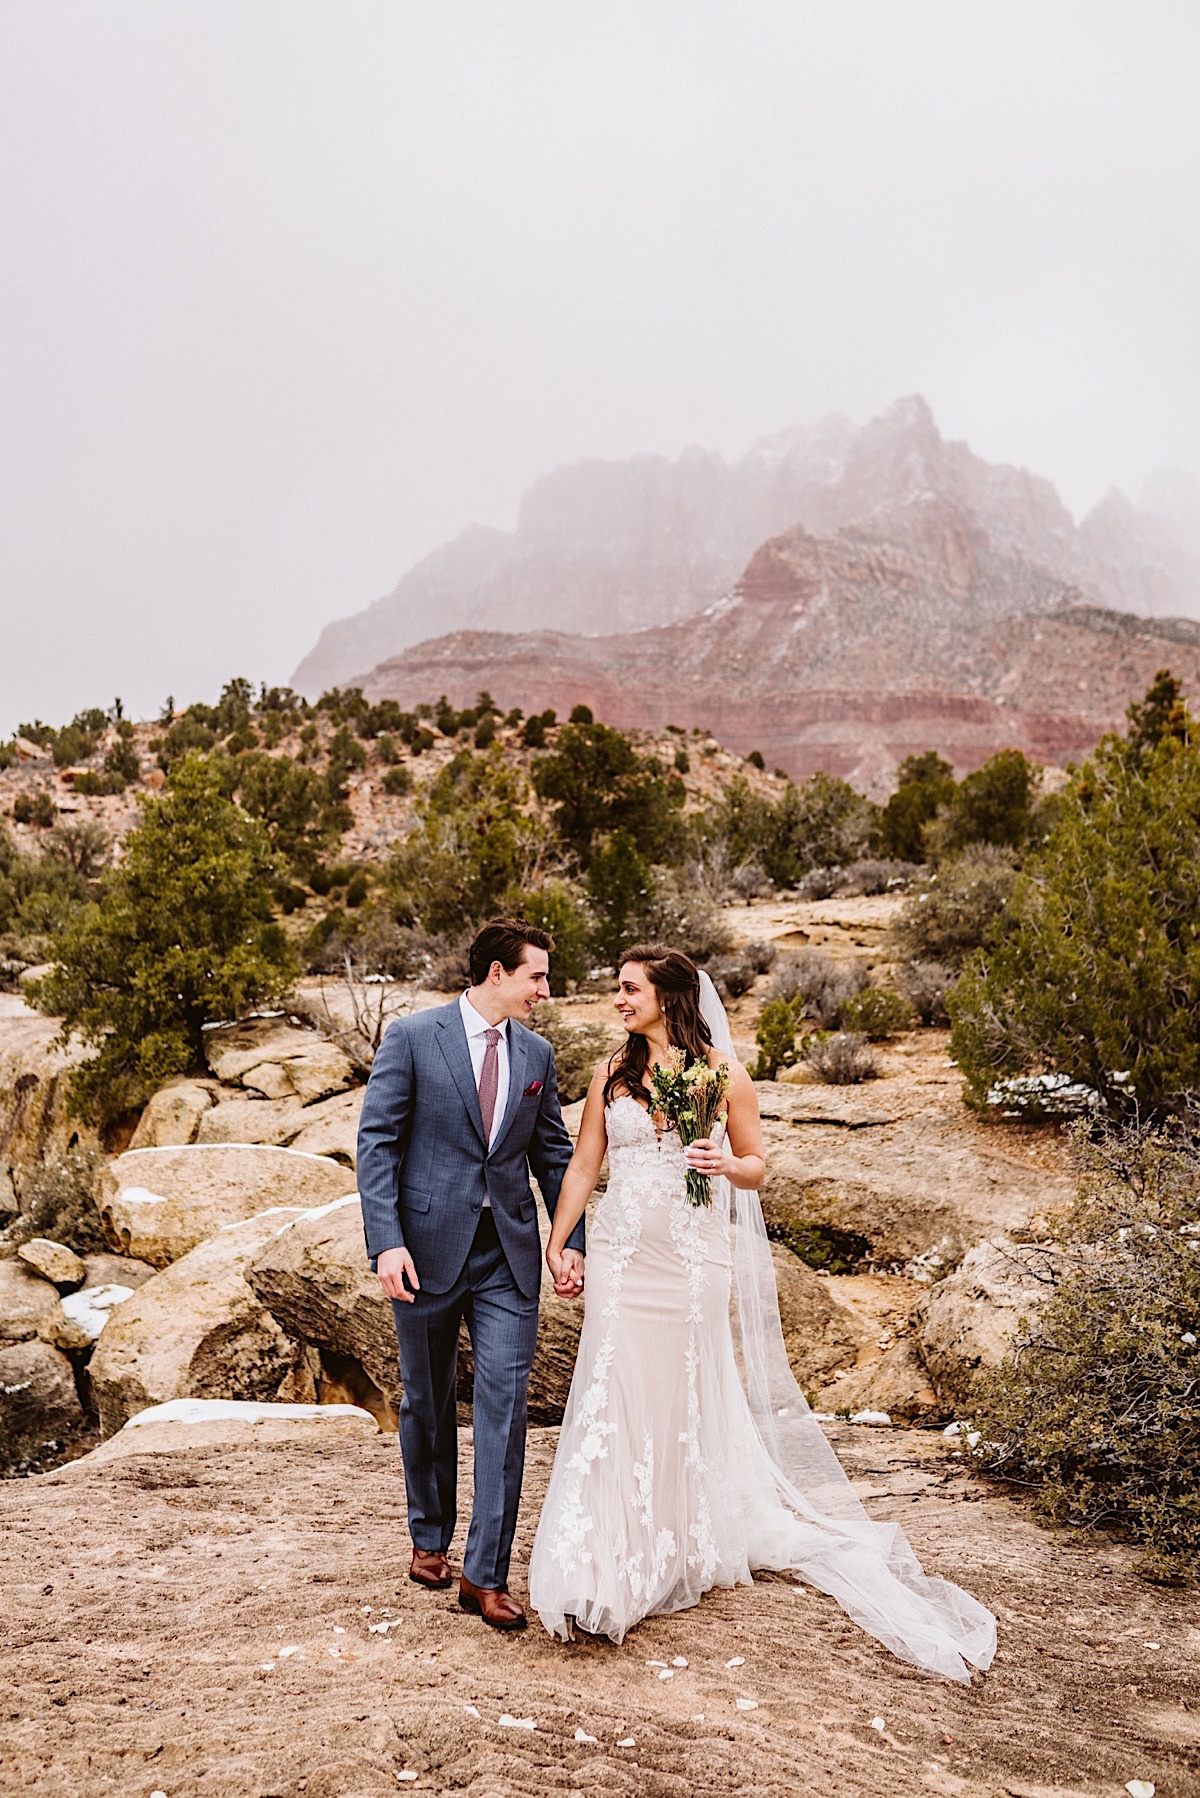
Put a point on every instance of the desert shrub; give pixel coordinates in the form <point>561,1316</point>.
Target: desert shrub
<point>477,838</point>
<point>1096,975</point>
<point>533,731</point>
<point>956,906</point>
<point>925,784</point>
<point>387,749</point>
<point>821,984</point>
<point>840,1057</point>
<point>181,936</point>
<point>735,972</point>
<point>619,882</point>
<point>678,914</point>
<point>562,908</point>
<point>357,888</point>
<point>776,1038</point>
<point>34,808</point>
<point>289,799</point>
<point>582,714</point>
<point>683,762</point>
<point>1097,1404</point>
<point>925,985</point>
<point>823,823</point>
<point>996,804</point>
<point>598,784</point>
<point>577,1048</point>
<point>485,731</point>
<point>121,762</point>
<point>191,731</point>
<point>38,897</point>
<point>82,846</point>
<point>58,1200</point>
<point>713,869</point>
<point>397,780</point>
<point>876,1013</point>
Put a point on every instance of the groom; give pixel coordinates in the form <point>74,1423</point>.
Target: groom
<point>461,1104</point>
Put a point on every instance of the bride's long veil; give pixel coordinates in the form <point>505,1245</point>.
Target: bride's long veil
<point>868,1567</point>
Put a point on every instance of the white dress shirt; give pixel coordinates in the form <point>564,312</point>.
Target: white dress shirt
<point>476,1028</point>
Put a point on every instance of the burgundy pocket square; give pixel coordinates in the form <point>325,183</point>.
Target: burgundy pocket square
<point>532,1090</point>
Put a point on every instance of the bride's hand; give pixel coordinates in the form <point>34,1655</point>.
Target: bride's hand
<point>709,1157</point>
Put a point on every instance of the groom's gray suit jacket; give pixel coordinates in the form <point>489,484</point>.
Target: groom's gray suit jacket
<point>424,1167</point>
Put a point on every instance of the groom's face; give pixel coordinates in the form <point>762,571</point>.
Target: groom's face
<point>524,986</point>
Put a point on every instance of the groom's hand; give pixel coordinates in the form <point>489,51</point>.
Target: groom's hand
<point>568,1281</point>
<point>393,1267</point>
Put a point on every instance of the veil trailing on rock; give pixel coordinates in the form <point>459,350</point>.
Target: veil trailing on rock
<point>868,1567</point>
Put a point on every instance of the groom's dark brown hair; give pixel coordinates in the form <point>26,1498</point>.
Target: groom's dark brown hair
<point>505,940</point>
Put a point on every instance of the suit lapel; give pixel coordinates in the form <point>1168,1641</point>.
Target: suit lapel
<point>516,1079</point>
<point>453,1040</point>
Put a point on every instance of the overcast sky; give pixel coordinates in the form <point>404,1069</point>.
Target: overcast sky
<point>290,292</point>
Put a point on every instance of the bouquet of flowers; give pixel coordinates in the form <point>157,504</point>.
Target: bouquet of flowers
<point>689,1100</point>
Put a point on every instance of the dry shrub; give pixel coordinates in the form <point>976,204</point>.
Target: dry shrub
<point>840,1057</point>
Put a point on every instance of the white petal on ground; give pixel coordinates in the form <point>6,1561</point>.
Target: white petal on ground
<point>268,1666</point>
<point>338,1630</point>
<point>747,1704</point>
<point>581,1735</point>
<point>335,1652</point>
<point>656,1663</point>
<point>871,1417</point>
<point>739,1660</point>
<point>472,1710</point>
<point>679,1661</point>
<point>294,1649</point>
<point>408,1774</point>
<point>507,1722</point>
<point>1151,1644</point>
<point>1139,1788</point>
<point>878,1723</point>
<point>666,1673</point>
<point>627,1742</point>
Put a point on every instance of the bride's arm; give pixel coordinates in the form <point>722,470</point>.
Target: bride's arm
<point>738,1157</point>
<point>579,1181</point>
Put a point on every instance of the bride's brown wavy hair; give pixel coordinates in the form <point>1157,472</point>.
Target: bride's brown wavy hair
<point>676,980</point>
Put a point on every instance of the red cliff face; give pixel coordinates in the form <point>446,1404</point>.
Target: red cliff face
<point>845,653</point>
<point>619,546</point>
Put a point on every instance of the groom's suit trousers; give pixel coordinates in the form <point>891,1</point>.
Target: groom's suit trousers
<point>502,1324</point>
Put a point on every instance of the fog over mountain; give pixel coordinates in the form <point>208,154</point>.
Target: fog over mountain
<point>293,292</point>
<point>619,546</point>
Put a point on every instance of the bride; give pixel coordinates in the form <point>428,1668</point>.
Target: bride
<point>688,1457</point>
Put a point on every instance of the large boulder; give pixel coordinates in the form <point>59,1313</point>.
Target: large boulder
<point>54,1261</point>
<point>39,1405</point>
<point>157,1204</point>
<point>968,1320</point>
<point>26,1302</point>
<point>278,1060</point>
<point>172,1117</point>
<point>896,1382</point>
<point>819,1334</point>
<point>314,1279</point>
<point>196,1330</point>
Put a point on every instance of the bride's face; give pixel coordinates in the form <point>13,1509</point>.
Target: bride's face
<point>637,1001</point>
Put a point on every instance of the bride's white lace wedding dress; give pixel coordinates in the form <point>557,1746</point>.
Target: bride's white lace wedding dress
<point>687,1458</point>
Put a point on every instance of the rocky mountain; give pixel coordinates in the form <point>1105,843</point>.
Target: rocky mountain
<point>924,626</point>
<point>622,546</point>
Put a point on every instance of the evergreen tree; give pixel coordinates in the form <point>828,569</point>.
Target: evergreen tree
<point>180,937</point>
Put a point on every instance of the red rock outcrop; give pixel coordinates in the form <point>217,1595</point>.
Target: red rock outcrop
<point>916,630</point>
<point>621,546</point>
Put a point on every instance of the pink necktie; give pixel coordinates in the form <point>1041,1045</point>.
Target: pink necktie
<point>489,1082</point>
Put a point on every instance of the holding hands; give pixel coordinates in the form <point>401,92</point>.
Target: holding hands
<point>566,1270</point>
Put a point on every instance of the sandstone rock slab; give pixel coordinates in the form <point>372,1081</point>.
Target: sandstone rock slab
<point>279,1060</point>
<point>314,1279</point>
<point>26,1301</point>
<point>157,1204</point>
<point>197,1330</point>
<point>172,1116</point>
<point>54,1261</point>
<point>896,1382</point>
<point>968,1320</point>
<point>39,1404</point>
<point>116,1270</point>
<point>81,1317</point>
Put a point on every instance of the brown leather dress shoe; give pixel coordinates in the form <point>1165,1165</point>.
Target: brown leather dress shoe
<point>496,1605</point>
<point>430,1569</point>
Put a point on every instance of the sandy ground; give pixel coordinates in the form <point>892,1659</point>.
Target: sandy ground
<point>149,1603</point>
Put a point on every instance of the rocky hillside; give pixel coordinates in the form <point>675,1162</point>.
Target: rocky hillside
<point>606,546</point>
<point>919,628</point>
